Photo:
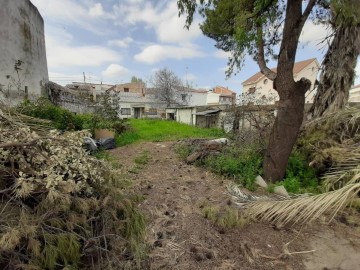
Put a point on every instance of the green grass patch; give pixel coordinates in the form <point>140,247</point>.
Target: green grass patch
<point>161,130</point>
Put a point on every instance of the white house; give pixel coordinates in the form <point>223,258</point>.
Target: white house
<point>221,96</point>
<point>263,87</point>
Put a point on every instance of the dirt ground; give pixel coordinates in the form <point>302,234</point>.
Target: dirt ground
<point>181,238</point>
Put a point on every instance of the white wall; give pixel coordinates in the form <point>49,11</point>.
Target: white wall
<point>264,86</point>
<point>213,98</point>
<point>197,99</point>
<point>185,115</point>
<point>22,38</point>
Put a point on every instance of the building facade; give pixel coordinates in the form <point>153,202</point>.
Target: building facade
<point>23,65</point>
<point>262,87</point>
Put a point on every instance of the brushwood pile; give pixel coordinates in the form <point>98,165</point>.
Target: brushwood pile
<point>60,207</point>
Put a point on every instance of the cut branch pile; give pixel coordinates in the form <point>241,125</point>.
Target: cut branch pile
<point>59,208</point>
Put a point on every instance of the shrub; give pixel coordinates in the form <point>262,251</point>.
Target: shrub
<point>244,164</point>
<point>63,119</point>
<point>299,176</point>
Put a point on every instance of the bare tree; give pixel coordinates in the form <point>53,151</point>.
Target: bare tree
<point>168,87</point>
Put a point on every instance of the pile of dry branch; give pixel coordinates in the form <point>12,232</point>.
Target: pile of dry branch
<point>59,208</point>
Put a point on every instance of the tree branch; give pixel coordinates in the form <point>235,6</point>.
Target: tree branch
<point>20,144</point>
<point>261,57</point>
<point>307,11</point>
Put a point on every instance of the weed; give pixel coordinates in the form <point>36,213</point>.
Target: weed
<point>225,218</point>
<point>242,164</point>
<point>143,159</point>
<point>183,151</point>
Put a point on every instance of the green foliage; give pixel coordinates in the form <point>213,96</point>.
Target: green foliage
<point>299,177</point>
<point>242,164</point>
<point>160,130</point>
<point>63,119</point>
<point>234,25</point>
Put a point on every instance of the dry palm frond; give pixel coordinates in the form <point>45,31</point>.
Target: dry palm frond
<point>342,175</point>
<point>304,209</point>
<point>344,123</point>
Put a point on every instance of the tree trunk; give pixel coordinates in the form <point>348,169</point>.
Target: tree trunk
<point>338,71</point>
<point>285,131</point>
<point>292,95</point>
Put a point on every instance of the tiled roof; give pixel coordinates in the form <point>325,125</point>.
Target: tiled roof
<point>298,66</point>
<point>223,91</point>
<point>355,86</point>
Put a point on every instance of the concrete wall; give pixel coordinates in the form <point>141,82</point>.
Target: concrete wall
<point>185,115</point>
<point>22,38</point>
<point>197,98</point>
<point>213,98</point>
<point>264,86</point>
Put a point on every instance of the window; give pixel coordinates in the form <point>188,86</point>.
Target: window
<point>183,97</point>
<point>252,90</point>
<point>265,81</point>
<point>126,90</point>
<point>125,111</point>
<point>152,111</point>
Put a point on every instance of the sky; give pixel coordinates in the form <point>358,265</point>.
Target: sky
<point>112,40</point>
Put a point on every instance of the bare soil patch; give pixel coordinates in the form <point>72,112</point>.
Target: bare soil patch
<point>181,238</point>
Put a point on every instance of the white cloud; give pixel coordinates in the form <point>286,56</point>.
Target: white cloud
<point>156,53</point>
<point>313,34</point>
<point>115,71</point>
<point>222,54</point>
<point>69,12</point>
<point>61,53</point>
<point>97,10</point>
<point>63,79</point>
<point>122,43</point>
<point>163,18</point>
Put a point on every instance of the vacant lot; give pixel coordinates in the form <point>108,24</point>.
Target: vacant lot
<point>177,197</point>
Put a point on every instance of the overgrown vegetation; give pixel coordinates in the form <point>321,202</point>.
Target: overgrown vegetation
<point>160,130</point>
<point>61,208</point>
<point>63,119</point>
<point>242,163</point>
<point>331,143</point>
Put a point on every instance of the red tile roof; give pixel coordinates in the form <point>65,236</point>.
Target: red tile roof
<point>223,91</point>
<point>298,66</point>
<point>355,86</point>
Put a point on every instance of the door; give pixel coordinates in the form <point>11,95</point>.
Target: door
<point>137,113</point>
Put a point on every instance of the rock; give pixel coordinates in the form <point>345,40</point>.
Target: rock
<point>219,141</point>
<point>280,190</point>
<point>260,182</point>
